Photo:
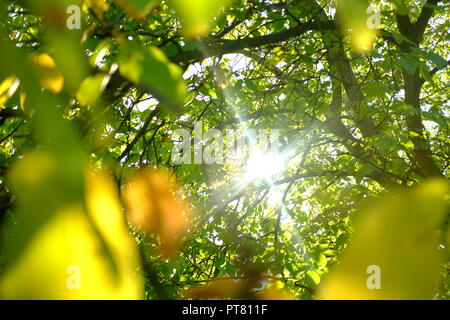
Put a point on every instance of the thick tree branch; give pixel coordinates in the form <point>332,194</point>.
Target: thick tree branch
<point>422,22</point>
<point>413,84</point>
<point>229,46</point>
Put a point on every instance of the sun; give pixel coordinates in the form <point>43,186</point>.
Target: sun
<point>261,165</point>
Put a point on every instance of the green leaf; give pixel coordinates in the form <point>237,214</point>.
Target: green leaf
<point>436,59</point>
<point>312,278</point>
<point>408,63</point>
<point>321,260</point>
<point>220,261</point>
<point>251,85</point>
<point>150,69</point>
<point>197,15</point>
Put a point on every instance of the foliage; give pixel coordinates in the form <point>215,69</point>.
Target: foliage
<point>88,121</point>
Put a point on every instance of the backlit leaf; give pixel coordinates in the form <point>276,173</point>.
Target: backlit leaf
<point>150,68</point>
<point>7,88</point>
<point>91,89</point>
<point>64,247</point>
<point>138,9</point>
<point>197,15</point>
<point>155,208</point>
<point>398,236</point>
<point>50,77</point>
<point>312,278</point>
<point>354,19</point>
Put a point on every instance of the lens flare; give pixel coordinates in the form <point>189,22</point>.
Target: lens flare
<point>262,165</point>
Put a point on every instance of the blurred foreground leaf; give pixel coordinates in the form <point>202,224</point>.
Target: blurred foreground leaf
<point>64,46</point>
<point>155,208</point>
<point>198,15</point>
<point>397,237</point>
<point>62,247</point>
<point>50,78</point>
<point>354,20</point>
<point>91,89</point>
<point>272,292</point>
<point>7,88</point>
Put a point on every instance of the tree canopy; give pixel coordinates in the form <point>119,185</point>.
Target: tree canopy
<point>94,94</point>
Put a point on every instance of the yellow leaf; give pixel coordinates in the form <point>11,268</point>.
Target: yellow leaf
<point>155,208</point>
<point>394,253</point>
<point>98,6</point>
<point>7,88</point>
<point>43,270</point>
<point>105,209</point>
<point>50,78</point>
<point>22,99</point>
<point>67,247</point>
